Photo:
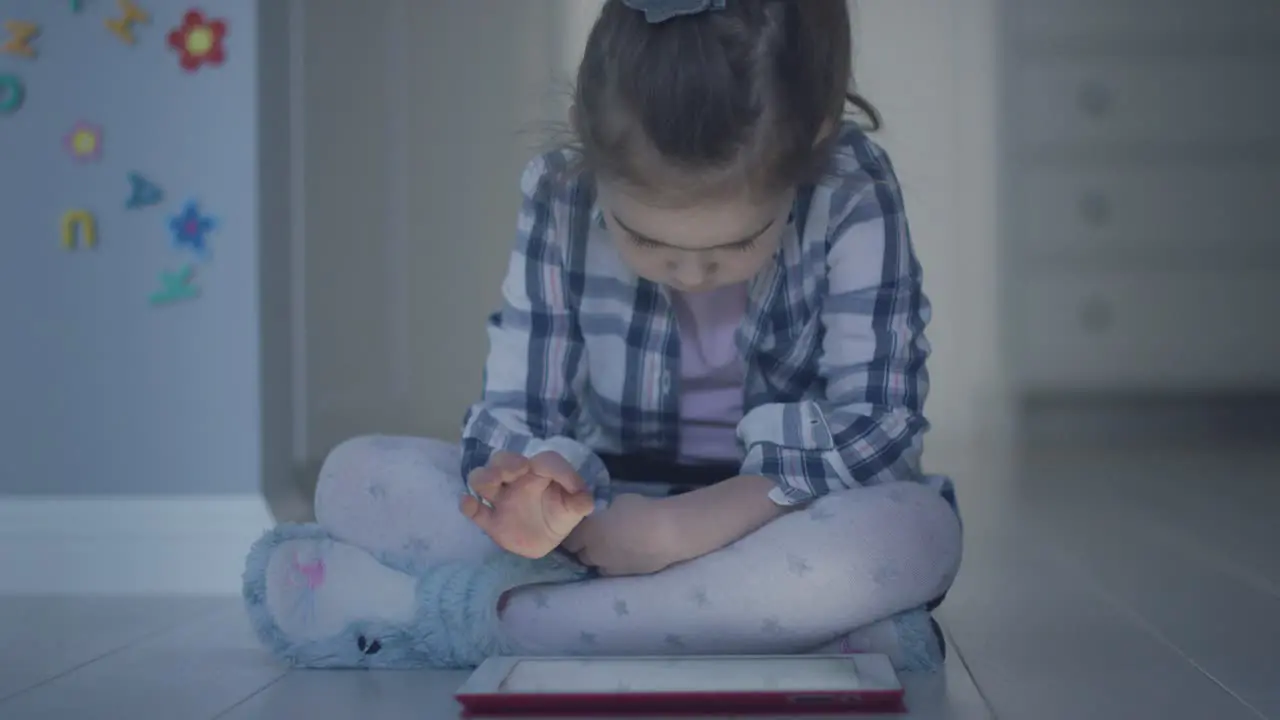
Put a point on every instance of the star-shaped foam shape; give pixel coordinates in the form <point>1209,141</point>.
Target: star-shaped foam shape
<point>191,229</point>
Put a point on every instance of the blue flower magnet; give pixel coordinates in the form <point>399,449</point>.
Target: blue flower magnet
<point>191,229</point>
<point>143,193</point>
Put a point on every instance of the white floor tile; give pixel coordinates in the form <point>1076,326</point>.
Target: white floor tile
<point>44,637</point>
<point>196,671</point>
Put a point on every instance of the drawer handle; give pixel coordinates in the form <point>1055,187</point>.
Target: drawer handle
<point>1096,315</point>
<point>1095,208</point>
<point>1095,99</point>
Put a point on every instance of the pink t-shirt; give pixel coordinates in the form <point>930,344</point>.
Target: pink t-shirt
<point>712,373</point>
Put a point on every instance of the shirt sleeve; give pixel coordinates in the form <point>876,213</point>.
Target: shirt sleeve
<point>867,427</point>
<point>535,369</point>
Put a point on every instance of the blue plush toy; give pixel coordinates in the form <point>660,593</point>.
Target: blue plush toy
<point>379,616</point>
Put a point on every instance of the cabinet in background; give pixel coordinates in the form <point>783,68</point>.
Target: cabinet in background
<point>1141,177</point>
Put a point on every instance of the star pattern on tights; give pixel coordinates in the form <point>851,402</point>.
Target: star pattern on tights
<point>885,574</point>
<point>417,545</point>
<point>772,626</point>
<point>797,565</point>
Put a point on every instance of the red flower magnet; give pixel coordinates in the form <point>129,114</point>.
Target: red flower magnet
<point>198,41</point>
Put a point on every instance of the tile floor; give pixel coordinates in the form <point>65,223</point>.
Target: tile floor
<point>1097,584</point>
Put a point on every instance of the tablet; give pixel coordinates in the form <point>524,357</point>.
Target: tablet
<point>738,684</point>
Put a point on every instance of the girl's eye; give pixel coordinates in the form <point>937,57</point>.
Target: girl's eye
<point>650,244</point>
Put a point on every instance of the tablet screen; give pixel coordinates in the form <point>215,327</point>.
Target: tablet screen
<point>666,675</point>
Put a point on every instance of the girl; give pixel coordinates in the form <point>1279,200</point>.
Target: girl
<point>700,430</point>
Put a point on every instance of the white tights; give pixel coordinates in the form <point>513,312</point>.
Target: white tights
<point>835,572</point>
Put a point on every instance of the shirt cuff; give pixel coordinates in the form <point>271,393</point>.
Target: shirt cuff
<point>792,445</point>
<point>485,436</point>
<point>588,465</point>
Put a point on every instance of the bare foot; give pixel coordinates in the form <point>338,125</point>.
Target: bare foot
<point>535,502</point>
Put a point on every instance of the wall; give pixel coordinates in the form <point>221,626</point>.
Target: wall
<point>407,230</point>
<point>105,392</point>
<point>135,437</point>
<point>931,67</point>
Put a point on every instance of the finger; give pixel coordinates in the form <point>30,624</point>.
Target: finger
<point>502,469</point>
<point>580,504</point>
<point>508,464</point>
<point>552,466</point>
<point>478,512</point>
<point>563,512</point>
<point>484,482</point>
<point>574,543</point>
<point>489,482</point>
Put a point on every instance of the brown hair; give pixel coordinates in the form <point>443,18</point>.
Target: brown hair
<point>753,92</point>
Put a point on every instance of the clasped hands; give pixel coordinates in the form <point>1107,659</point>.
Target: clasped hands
<point>538,504</point>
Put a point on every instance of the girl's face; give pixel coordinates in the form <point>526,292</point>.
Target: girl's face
<point>695,249</point>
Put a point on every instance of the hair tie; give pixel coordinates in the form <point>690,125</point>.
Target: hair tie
<point>660,11</point>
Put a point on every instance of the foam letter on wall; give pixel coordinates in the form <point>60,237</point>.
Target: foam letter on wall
<point>78,225</point>
<point>176,286</point>
<point>144,192</point>
<point>12,93</point>
<point>131,14</point>
<point>20,35</point>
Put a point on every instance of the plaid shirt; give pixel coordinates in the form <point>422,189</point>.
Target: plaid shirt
<point>584,355</point>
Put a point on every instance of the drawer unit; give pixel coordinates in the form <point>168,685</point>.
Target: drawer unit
<point>1147,330</point>
<point>1126,26</point>
<point>1141,183</point>
<point>1147,101</point>
<point>1217,215</point>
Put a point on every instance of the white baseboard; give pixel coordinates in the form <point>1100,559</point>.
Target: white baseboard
<point>127,546</point>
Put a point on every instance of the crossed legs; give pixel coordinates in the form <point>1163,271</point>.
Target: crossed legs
<point>851,571</point>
